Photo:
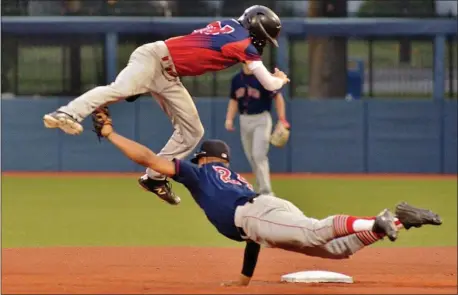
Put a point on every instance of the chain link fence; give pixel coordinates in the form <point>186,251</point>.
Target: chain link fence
<point>195,8</point>
<point>69,66</point>
<point>385,73</point>
<point>52,65</point>
<point>225,8</point>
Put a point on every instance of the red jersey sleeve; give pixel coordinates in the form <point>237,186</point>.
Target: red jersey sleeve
<point>241,50</point>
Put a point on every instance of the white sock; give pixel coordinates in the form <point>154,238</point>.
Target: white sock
<point>363,225</point>
<point>154,175</point>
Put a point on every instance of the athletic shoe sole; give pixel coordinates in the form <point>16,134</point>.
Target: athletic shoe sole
<point>66,124</point>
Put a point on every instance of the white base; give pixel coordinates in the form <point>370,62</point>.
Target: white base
<point>317,276</point>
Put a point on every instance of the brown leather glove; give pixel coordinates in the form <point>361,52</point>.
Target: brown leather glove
<point>102,122</point>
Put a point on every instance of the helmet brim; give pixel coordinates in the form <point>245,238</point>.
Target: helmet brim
<point>273,41</point>
<point>270,38</point>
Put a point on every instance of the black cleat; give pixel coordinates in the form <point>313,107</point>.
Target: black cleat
<point>411,216</point>
<point>162,188</point>
<point>384,224</point>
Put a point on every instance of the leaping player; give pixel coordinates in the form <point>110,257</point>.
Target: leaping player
<point>240,214</point>
<point>157,68</point>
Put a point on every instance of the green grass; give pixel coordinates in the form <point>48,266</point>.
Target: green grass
<point>115,212</point>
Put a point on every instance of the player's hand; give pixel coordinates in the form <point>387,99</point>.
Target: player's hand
<point>234,284</point>
<point>229,125</point>
<point>279,74</point>
<point>242,281</point>
<point>102,122</point>
<point>285,123</point>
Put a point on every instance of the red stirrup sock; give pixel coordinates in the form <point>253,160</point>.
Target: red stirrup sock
<point>369,237</point>
<point>345,225</point>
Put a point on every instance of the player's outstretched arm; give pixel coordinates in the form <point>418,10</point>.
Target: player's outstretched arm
<point>250,259</point>
<point>138,153</point>
<point>268,80</point>
<point>141,155</point>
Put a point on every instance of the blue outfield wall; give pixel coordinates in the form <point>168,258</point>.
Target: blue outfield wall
<point>330,136</point>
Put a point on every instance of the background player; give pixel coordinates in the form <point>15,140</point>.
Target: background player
<point>240,214</point>
<point>156,68</point>
<point>254,102</point>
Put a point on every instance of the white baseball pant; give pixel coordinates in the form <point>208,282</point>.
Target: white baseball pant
<point>150,69</point>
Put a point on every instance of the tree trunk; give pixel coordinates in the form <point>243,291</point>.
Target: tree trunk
<point>327,61</point>
<point>405,51</point>
<point>404,43</point>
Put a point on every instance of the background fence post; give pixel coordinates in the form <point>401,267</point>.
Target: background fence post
<point>283,60</point>
<point>366,136</point>
<point>111,55</point>
<point>439,67</point>
<point>451,65</point>
<point>370,63</point>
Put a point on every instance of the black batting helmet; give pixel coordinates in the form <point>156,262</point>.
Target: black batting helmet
<point>212,148</point>
<point>263,24</point>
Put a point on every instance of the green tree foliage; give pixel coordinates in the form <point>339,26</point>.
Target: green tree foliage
<point>234,8</point>
<point>397,8</point>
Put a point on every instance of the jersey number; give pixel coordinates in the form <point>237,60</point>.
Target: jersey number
<point>225,176</point>
<point>215,29</point>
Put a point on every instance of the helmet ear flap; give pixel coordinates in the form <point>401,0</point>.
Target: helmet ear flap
<point>272,40</point>
<point>259,45</point>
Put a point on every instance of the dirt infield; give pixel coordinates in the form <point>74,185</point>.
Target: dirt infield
<point>143,270</point>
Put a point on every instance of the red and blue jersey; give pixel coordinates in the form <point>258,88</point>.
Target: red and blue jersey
<point>216,47</point>
<point>218,191</point>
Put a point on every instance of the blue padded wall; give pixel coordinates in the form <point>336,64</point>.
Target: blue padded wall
<point>328,136</point>
<point>404,136</point>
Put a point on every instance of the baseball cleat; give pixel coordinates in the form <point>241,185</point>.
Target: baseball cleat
<point>162,188</point>
<point>63,121</point>
<point>411,216</point>
<point>384,224</point>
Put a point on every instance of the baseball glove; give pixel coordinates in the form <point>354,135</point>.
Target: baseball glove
<point>280,135</point>
<point>101,120</point>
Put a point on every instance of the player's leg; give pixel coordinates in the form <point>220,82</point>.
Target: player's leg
<point>260,150</point>
<point>179,106</point>
<point>407,217</point>
<point>341,248</point>
<point>278,223</point>
<point>134,79</point>
<point>188,129</point>
<point>246,136</point>
<point>288,228</point>
<point>344,247</point>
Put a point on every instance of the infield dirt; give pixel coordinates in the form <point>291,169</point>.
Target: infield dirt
<point>151,270</point>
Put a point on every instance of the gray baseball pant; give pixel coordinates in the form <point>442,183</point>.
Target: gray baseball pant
<point>255,132</point>
<point>150,69</point>
<point>278,223</point>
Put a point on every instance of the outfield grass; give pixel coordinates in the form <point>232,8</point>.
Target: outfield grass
<point>96,211</point>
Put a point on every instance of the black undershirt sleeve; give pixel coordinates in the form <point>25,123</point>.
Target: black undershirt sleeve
<point>250,258</point>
